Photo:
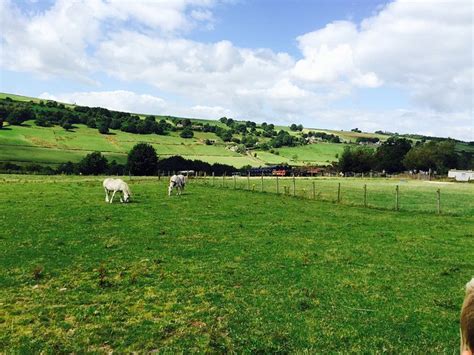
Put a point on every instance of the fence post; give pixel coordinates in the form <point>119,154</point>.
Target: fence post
<point>261,184</point>
<point>294,185</point>
<point>338,192</point>
<point>365,195</point>
<point>397,201</point>
<point>278,186</point>
<point>438,198</point>
<point>213,178</point>
<point>159,175</point>
<point>223,179</point>
<point>314,191</point>
<point>235,182</point>
<point>129,175</point>
<point>248,181</point>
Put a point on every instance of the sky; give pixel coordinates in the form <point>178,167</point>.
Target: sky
<point>401,66</point>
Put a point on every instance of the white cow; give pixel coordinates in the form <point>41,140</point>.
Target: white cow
<point>178,182</point>
<point>114,185</point>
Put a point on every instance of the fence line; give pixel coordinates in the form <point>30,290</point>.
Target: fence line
<point>308,188</point>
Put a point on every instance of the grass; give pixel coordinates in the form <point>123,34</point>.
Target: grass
<point>321,153</point>
<point>414,195</point>
<point>219,270</point>
<point>53,145</point>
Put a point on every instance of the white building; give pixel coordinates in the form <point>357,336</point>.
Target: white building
<point>461,175</point>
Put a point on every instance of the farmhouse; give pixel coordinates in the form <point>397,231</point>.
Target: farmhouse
<point>461,175</point>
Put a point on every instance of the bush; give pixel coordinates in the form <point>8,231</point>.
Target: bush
<point>142,160</point>
<point>186,133</point>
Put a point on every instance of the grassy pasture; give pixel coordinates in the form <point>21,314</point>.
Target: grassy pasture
<point>222,270</point>
<point>414,195</point>
<point>54,145</point>
<point>321,153</point>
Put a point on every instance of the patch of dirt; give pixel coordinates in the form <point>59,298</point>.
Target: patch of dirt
<point>42,143</point>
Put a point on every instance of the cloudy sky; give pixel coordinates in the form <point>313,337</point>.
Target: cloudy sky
<point>403,66</point>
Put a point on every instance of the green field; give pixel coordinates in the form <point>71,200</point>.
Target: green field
<point>414,195</point>
<point>219,270</point>
<point>54,145</point>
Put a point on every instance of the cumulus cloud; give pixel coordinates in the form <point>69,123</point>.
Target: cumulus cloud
<point>119,100</point>
<point>423,49</point>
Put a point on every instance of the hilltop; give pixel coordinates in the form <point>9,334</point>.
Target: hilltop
<point>64,132</point>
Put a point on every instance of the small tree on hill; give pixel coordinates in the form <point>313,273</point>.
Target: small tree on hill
<point>66,125</point>
<point>186,133</point>
<point>142,160</point>
<point>103,127</point>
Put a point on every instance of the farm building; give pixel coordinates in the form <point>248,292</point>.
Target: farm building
<point>461,175</point>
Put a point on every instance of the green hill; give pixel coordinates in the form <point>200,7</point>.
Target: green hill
<point>30,143</point>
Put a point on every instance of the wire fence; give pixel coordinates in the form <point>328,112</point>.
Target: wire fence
<point>387,194</point>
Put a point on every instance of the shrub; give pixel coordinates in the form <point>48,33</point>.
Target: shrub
<point>186,133</point>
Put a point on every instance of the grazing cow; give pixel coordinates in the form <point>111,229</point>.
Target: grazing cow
<point>114,185</point>
<point>467,320</point>
<point>178,182</point>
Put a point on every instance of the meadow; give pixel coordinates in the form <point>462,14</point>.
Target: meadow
<point>379,193</point>
<point>223,270</point>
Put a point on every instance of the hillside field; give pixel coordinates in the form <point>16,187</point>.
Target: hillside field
<point>224,270</point>
<point>53,145</point>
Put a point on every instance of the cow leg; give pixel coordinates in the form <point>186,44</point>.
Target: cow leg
<point>106,195</point>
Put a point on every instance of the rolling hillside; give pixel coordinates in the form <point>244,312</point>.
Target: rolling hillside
<point>30,143</point>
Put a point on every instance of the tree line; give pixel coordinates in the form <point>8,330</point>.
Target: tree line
<point>400,154</point>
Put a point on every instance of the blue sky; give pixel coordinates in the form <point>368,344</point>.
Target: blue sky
<point>403,66</point>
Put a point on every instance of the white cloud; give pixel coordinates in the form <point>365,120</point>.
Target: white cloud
<point>119,100</point>
<point>424,49</point>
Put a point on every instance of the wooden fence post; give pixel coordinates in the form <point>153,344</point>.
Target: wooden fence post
<point>235,182</point>
<point>294,185</point>
<point>338,192</point>
<point>314,191</point>
<point>438,198</point>
<point>248,181</point>
<point>397,200</point>
<point>213,178</point>
<point>261,184</point>
<point>278,186</point>
<point>223,179</point>
<point>365,195</point>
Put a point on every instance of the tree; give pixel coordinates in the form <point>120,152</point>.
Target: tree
<point>356,160</point>
<point>223,120</point>
<point>93,164</point>
<point>20,115</point>
<point>142,160</point>
<point>390,154</point>
<point>66,125</point>
<point>293,127</point>
<point>186,133</point>
<point>439,156</point>
<point>103,127</point>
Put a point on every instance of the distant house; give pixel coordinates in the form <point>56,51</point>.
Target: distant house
<point>461,175</point>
